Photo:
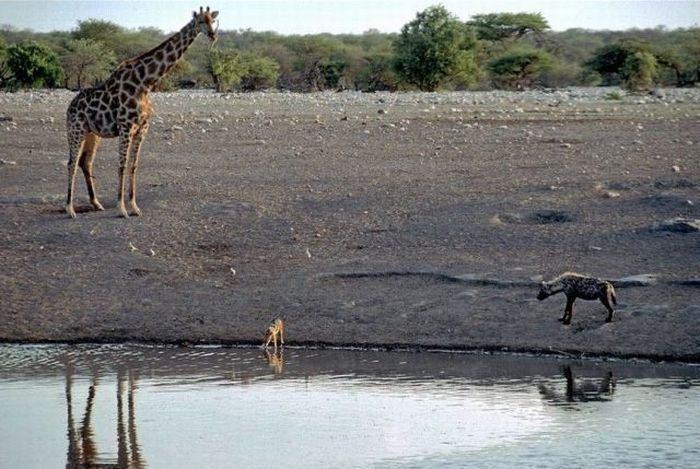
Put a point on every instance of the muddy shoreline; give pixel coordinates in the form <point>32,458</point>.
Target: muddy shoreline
<point>440,213</point>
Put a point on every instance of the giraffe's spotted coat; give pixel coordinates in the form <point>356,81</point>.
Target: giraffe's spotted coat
<point>120,107</point>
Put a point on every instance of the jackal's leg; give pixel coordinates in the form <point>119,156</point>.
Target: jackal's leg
<point>135,153</point>
<point>606,303</point>
<point>76,141</point>
<point>92,141</point>
<point>282,333</point>
<point>125,136</point>
<point>569,311</point>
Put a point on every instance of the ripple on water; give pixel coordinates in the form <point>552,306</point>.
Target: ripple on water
<point>183,407</point>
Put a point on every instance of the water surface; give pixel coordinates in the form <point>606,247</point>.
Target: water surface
<point>136,406</point>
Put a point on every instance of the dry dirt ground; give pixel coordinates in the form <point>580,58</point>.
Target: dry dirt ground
<point>252,204</point>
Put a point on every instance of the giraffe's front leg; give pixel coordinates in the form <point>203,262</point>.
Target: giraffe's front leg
<point>125,138</point>
<point>135,153</point>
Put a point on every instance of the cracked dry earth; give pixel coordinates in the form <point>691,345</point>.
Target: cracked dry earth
<point>252,202</point>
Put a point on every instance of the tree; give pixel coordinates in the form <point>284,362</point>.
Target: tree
<point>5,74</point>
<point>86,61</point>
<point>378,74</point>
<point>33,65</point>
<point>260,73</point>
<point>610,59</point>
<point>226,68</point>
<point>517,68</point>
<point>500,26</point>
<point>639,71</point>
<point>429,48</point>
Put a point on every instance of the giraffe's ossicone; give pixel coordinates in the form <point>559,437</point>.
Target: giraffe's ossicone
<point>120,107</point>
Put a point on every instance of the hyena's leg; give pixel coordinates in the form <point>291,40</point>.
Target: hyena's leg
<point>606,302</point>
<point>608,384</point>
<point>76,141</point>
<point>135,152</point>
<point>569,311</point>
<point>125,136</point>
<point>92,141</point>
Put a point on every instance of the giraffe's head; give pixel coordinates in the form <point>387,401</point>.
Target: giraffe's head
<point>205,20</point>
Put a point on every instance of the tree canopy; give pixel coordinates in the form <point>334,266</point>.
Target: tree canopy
<point>435,50</point>
<point>500,26</point>
<point>86,61</point>
<point>33,65</point>
<point>431,47</point>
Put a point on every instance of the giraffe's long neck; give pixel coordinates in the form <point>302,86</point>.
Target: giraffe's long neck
<point>151,66</point>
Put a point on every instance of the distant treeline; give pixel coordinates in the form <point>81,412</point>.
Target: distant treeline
<point>434,51</point>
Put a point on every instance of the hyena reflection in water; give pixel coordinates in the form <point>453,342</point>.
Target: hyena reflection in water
<point>578,286</point>
<point>583,391</point>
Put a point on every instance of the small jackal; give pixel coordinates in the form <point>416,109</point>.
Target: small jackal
<point>578,286</point>
<point>276,329</point>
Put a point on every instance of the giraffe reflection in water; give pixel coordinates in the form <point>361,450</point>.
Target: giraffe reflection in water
<point>82,449</point>
<point>582,391</point>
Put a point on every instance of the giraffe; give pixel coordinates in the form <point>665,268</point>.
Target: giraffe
<point>121,107</point>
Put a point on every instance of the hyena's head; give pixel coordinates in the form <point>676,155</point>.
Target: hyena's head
<point>545,291</point>
<point>269,333</point>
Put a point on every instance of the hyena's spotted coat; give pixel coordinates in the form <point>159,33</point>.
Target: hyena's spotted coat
<point>578,286</point>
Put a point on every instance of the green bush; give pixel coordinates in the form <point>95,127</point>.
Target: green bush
<point>86,61</point>
<point>226,68</point>
<point>377,74</point>
<point>517,68</point>
<point>609,60</point>
<point>33,65</point>
<point>260,73</point>
<point>561,74</point>
<point>5,74</point>
<point>430,49</point>
<point>639,71</point>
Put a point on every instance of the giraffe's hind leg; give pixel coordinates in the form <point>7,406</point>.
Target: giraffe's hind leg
<point>87,156</point>
<point>76,141</point>
<point>135,153</point>
<point>125,137</point>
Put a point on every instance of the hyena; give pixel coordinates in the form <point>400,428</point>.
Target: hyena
<point>578,286</point>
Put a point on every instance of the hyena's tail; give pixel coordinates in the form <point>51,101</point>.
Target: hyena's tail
<point>611,293</point>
